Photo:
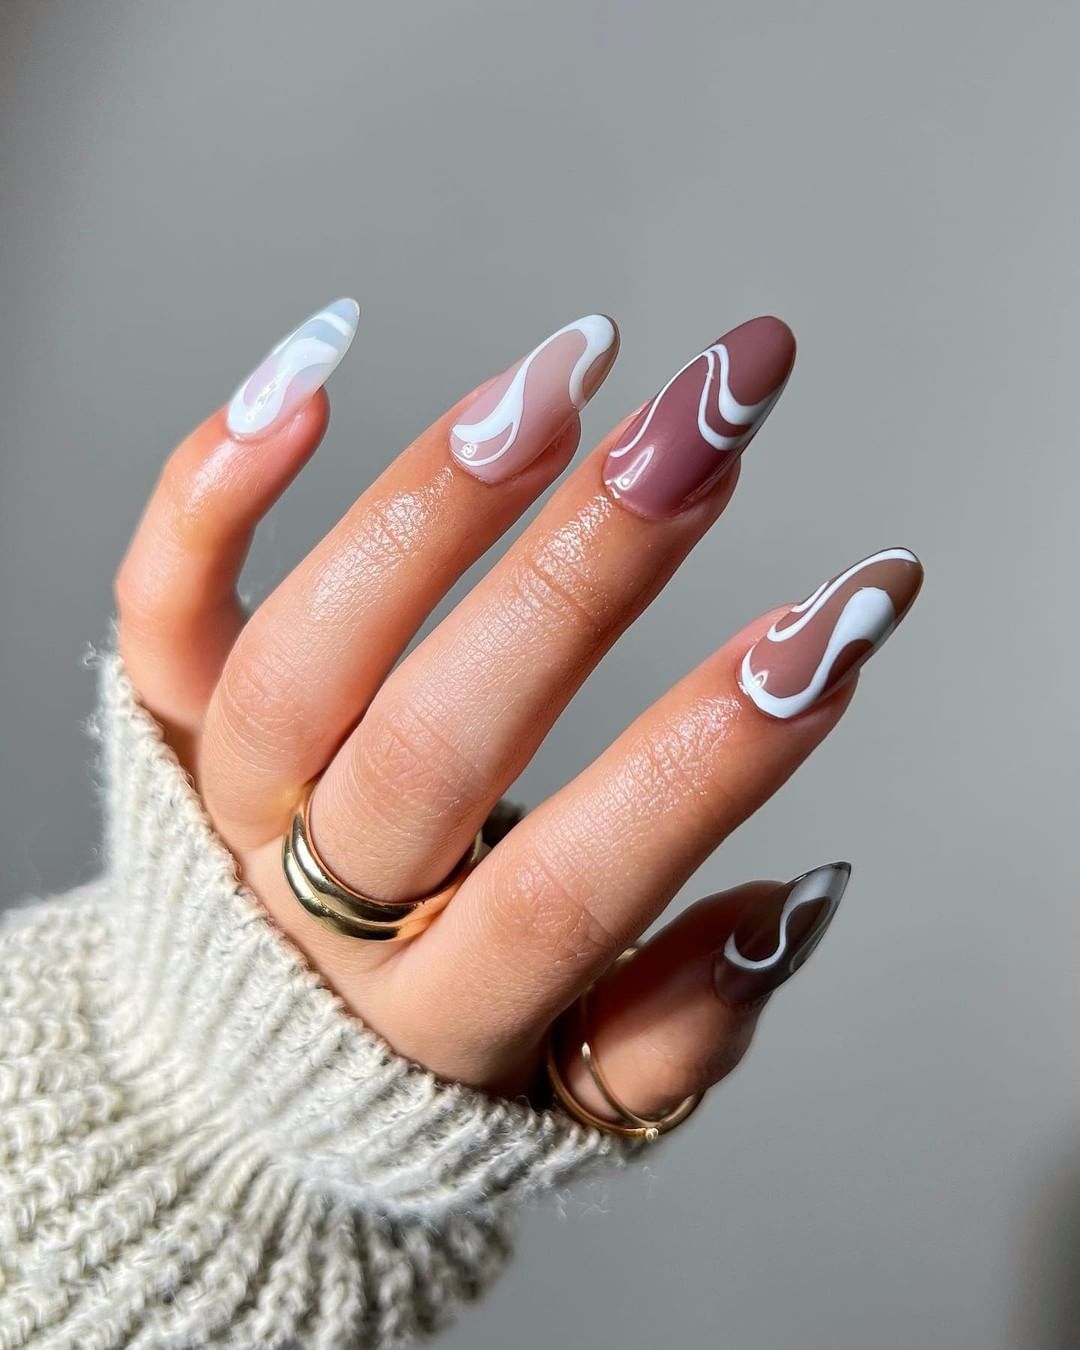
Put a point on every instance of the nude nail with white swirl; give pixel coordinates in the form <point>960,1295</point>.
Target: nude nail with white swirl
<point>295,369</point>
<point>817,645</point>
<point>519,414</point>
<point>772,939</point>
<point>682,443</point>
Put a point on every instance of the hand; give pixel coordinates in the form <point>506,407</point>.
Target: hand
<point>410,758</point>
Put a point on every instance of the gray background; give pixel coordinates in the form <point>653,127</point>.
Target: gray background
<point>898,1164</point>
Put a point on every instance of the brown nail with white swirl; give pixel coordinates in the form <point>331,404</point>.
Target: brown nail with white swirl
<point>817,645</point>
<point>519,414</point>
<point>772,939</point>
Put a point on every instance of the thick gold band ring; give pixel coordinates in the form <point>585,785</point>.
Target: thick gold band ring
<point>337,906</point>
<point>627,1124</point>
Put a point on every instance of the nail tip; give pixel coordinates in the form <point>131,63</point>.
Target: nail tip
<point>840,871</point>
<point>616,340</point>
<point>780,328</point>
<point>600,316</point>
<point>911,580</point>
<point>914,559</point>
<point>348,311</point>
<point>762,355</point>
<point>352,308</point>
<point>776,338</point>
<point>608,343</point>
<point>899,551</point>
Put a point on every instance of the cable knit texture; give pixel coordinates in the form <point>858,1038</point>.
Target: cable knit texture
<point>198,1145</point>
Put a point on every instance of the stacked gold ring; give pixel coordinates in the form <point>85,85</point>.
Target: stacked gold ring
<point>345,910</point>
<point>337,906</point>
<point>627,1124</point>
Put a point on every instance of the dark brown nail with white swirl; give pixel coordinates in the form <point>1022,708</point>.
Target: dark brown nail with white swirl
<point>774,937</point>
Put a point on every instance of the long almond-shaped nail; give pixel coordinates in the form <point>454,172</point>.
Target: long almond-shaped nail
<point>299,365</point>
<point>518,415</point>
<point>819,644</point>
<point>773,938</point>
<point>697,426</point>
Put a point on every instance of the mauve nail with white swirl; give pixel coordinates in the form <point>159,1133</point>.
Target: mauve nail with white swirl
<point>820,643</point>
<point>686,439</point>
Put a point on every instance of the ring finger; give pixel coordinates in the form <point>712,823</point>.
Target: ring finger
<point>592,867</point>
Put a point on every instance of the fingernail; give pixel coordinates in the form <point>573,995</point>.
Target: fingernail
<point>773,939</point>
<point>819,644</point>
<point>693,431</point>
<point>518,415</point>
<point>298,366</point>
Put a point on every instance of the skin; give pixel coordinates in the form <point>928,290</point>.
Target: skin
<point>410,757</point>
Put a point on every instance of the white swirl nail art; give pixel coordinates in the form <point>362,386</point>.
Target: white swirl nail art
<point>299,365</point>
<point>749,416</point>
<point>824,885</point>
<point>830,633</point>
<point>687,438</point>
<point>493,436</point>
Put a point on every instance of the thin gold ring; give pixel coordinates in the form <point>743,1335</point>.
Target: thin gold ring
<point>628,1124</point>
<point>337,906</point>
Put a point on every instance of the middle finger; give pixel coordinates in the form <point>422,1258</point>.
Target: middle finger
<point>461,717</point>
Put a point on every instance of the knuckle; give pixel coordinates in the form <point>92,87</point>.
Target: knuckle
<point>127,591</point>
<point>668,766</point>
<point>141,595</point>
<point>391,528</point>
<point>163,574</point>
<point>725,1054</point>
<point>721,1060</point>
<point>674,768</point>
<point>669,1068</point>
<point>187,491</point>
<point>389,531</point>
<point>405,756</point>
<point>551,581</point>
<point>670,1076</point>
<point>548,905</point>
<point>255,705</point>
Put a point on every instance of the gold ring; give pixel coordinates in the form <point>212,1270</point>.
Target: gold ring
<point>337,906</point>
<point>628,1124</point>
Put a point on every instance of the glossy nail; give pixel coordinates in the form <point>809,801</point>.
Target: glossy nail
<point>773,938</point>
<point>298,366</point>
<point>817,645</point>
<point>684,441</point>
<point>518,415</point>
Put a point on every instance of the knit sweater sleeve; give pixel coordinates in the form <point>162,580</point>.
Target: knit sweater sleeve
<point>198,1145</point>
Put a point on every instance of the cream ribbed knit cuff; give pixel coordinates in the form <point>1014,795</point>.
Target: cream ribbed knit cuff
<point>198,1145</point>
